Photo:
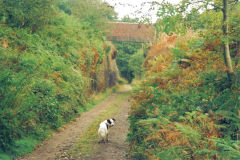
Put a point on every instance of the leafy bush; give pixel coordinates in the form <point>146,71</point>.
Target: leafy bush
<point>136,64</point>
<point>24,146</point>
<point>28,13</point>
<point>185,112</point>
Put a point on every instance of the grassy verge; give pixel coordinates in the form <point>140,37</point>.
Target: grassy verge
<point>86,144</point>
<point>99,97</point>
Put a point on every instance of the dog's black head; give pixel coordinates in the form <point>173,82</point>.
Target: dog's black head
<point>111,121</point>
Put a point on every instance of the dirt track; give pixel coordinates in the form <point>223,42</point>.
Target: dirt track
<point>63,140</point>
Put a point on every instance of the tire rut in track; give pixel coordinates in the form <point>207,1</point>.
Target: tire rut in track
<point>63,140</point>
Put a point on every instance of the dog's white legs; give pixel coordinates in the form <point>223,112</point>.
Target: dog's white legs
<point>101,141</point>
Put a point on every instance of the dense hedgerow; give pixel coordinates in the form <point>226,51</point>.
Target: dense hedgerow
<point>45,79</point>
<point>185,109</point>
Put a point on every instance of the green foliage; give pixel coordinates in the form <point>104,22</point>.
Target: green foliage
<point>129,20</point>
<point>136,64</point>
<point>27,13</point>
<point>94,13</point>
<point>4,156</point>
<point>30,98</point>
<point>125,51</point>
<point>230,148</point>
<point>64,6</point>
<point>169,19</point>
<point>24,146</point>
<point>193,20</point>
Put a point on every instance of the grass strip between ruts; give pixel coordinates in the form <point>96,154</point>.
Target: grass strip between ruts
<point>87,142</point>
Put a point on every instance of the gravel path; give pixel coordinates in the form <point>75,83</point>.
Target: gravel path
<point>116,147</point>
<point>66,137</point>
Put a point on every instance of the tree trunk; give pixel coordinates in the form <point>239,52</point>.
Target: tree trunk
<point>226,53</point>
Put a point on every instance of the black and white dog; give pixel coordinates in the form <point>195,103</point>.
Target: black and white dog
<point>103,129</point>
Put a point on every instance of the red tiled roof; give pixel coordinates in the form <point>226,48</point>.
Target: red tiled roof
<point>131,32</point>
